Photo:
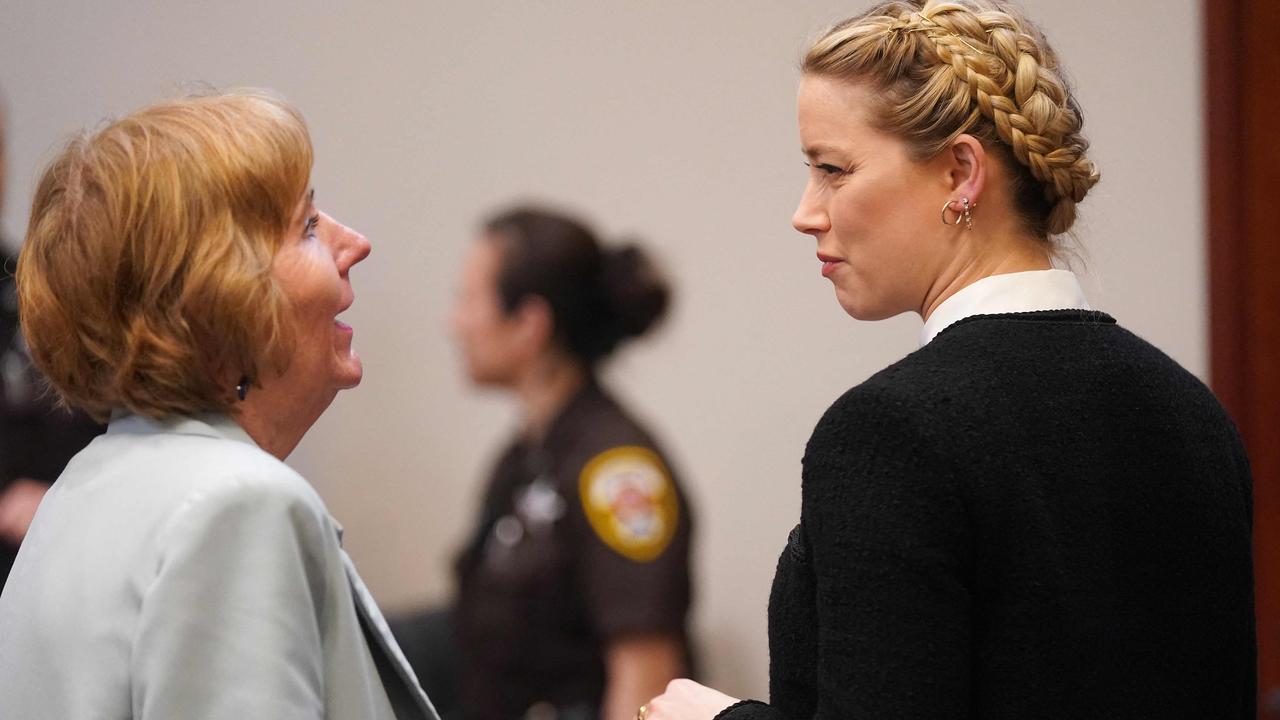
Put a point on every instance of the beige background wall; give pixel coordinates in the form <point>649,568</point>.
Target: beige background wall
<point>670,121</point>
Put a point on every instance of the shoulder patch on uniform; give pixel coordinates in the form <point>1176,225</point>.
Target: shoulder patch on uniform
<point>630,501</point>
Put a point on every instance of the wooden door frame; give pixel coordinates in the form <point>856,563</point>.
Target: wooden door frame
<point>1242,101</point>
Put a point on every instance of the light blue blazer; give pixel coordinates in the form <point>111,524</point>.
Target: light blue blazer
<point>176,570</point>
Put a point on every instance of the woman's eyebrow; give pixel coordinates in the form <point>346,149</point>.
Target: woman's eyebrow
<point>813,152</point>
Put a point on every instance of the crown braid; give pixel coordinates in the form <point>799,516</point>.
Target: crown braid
<point>970,66</point>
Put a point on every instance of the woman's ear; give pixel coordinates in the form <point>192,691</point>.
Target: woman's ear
<point>967,160</point>
<point>535,325</point>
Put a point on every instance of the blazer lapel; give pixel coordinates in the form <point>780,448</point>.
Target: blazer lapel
<point>377,629</point>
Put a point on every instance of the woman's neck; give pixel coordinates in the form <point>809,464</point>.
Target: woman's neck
<point>544,390</point>
<point>277,421</point>
<point>997,256</point>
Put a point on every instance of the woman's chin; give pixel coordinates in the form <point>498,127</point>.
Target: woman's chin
<point>351,372</point>
<point>861,307</point>
<point>855,309</point>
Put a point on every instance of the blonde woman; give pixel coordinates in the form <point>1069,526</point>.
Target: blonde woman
<point>178,279</point>
<point>1036,514</point>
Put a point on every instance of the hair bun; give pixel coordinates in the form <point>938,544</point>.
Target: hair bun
<point>635,291</point>
<point>599,296</point>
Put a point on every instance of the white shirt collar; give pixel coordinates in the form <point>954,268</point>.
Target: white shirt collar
<point>208,424</point>
<point>1010,293</point>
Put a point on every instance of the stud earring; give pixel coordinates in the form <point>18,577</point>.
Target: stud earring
<point>242,387</point>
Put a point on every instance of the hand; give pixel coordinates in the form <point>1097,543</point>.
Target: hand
<point>18,505</point>
<point>687,700</point>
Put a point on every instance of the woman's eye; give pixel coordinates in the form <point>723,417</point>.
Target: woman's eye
<point>827,168</point>
<point>310,228</point>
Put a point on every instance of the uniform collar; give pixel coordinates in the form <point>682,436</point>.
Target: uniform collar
<point>564,428</point>
<point>1009,293</point>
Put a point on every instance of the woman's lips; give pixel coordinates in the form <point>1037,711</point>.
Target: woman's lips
<point>341,326</point>
<point>829,264</point>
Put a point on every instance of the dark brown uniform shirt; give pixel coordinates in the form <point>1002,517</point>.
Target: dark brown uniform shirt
<point>582,539</point>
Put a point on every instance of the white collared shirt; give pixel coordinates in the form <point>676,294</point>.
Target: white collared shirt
<point>1014,292</point>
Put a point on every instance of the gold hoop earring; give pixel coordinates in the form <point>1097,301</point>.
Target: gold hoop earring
<point>963,215</point>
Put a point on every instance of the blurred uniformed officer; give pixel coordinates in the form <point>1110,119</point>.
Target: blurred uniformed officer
<point>574,589</point>
<point>36,439</point>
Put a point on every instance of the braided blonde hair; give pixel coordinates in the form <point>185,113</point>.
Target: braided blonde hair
<point>946,67</point>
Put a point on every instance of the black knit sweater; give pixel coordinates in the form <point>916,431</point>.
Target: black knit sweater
<point>1037,515</point>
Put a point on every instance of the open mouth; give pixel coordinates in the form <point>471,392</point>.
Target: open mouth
<point>338,322</point>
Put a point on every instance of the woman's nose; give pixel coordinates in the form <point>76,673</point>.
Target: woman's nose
<point>810,216</point>
<point>350,247</point>
<point>360,246</point>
